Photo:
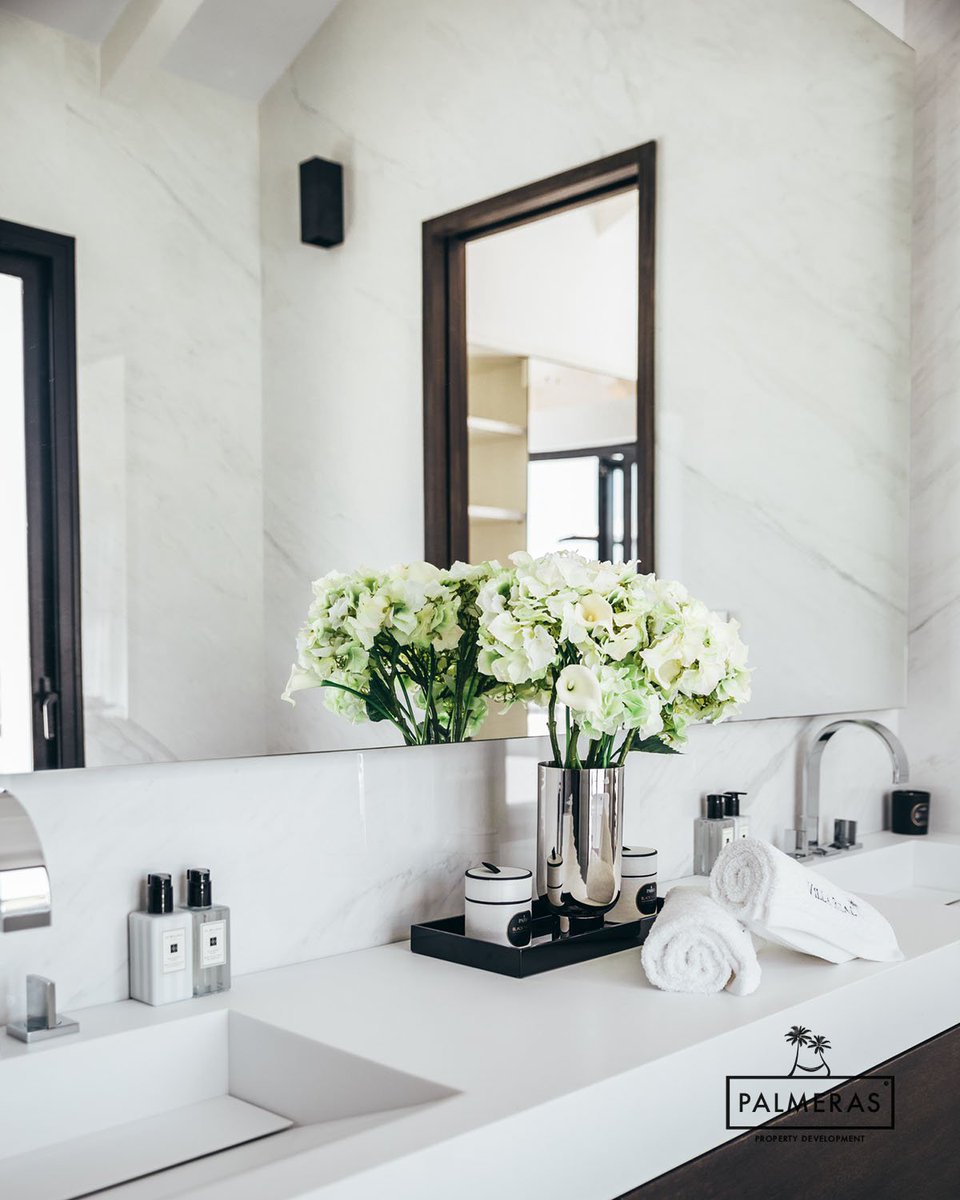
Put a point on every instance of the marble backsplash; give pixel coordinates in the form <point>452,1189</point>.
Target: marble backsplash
<point>319,854</point>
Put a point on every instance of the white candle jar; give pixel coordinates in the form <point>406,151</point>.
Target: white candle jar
<point>638,887</point>
<point>498,904</point>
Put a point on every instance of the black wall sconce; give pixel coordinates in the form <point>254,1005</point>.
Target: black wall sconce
<point>321,202</point>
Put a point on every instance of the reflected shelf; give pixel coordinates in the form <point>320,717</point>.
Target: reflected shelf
<point>484,427</point>
<point>485,512</point>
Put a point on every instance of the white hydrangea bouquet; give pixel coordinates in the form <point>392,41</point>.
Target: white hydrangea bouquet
<point>399,645</point>
<point>631,660</point>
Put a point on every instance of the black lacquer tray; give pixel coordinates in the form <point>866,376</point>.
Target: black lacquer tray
<point>547,950</point>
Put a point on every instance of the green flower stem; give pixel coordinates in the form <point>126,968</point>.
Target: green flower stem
<point>395,718</point>
<point>627,746</point>
<point>409,707</point>
<point>573,746</point>
<point>552,727</point>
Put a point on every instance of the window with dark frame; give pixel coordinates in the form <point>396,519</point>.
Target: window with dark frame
<point>44,262</point>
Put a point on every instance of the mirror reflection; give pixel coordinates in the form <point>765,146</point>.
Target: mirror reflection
<point>552,384</point>
<point>207,400</point>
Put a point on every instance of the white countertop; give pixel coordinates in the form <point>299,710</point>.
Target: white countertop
<point>576,1084</point>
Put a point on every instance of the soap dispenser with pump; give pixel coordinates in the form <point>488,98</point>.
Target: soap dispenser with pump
<point>211,934</point>
<point>710,834</point>
<point>161,947</point>
<point>731,809</point>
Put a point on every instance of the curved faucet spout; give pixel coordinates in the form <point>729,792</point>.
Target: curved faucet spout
<point>24,882</point>
<point>808,822</point>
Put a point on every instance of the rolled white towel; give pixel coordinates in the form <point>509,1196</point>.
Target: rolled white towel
<point>697,947</point>
<point>777,898</point>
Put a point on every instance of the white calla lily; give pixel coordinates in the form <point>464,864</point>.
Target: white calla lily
<point>579,689</point>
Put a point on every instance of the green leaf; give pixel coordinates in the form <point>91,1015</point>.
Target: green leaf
<point>652,745</point>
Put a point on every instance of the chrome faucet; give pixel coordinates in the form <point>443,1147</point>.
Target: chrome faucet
<point>804,840</point>
<point>24,882</point>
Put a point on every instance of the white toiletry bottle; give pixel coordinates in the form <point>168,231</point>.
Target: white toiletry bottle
<point>211,935</point>
<point>161,947</point>
<point>731,809</point>
<point>710,834</point>
<point>498,904</point>
<point>638,887</point>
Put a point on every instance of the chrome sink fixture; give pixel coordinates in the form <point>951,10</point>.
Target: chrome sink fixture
<point>24,882</point>
<point>804,840</point>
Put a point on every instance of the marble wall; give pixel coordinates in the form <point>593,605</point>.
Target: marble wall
<point>319,854</point>
<point>931,720</point>
<point>161,194</point>
<point>783,270</point>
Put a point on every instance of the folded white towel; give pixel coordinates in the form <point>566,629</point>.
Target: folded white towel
<point>697,947</point>
<point>777,898</point>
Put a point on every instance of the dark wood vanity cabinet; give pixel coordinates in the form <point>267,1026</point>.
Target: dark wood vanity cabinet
<point>920,1157</point>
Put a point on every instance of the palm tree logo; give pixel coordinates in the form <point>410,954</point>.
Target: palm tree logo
<point>819,1044</point>
<point>800,1037</point>
<point>797,1036</point>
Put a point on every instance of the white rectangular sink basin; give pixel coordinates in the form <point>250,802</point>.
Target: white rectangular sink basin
<point>907,868</point>
<point>218,1091</point>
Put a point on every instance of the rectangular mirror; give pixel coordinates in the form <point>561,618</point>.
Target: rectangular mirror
<point>707,370</point>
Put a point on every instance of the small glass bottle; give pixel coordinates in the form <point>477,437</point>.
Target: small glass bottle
<point>731,809</point>
<point>161,947</point>
<point>710,834</point>
<point>211,935</point>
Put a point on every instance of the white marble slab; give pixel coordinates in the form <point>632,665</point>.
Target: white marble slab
<point>931,720</point>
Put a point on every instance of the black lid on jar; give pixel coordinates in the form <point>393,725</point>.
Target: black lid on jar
<point>159,893</point>
<point>731,803</point>
<point>715,807</point>
<point>199,890</point>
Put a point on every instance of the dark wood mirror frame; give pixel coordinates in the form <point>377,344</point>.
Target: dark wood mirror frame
<point>445,335</point>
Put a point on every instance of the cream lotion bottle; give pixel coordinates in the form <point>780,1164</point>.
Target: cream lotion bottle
<point>211,935</point>
<point>161,947</point>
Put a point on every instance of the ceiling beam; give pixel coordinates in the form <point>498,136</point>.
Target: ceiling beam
<point>143,35</point>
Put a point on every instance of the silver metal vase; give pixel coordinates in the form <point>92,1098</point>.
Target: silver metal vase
<point>579,831</point>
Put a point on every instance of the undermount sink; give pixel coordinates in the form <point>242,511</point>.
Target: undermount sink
<point>916,868</point>
<point>219,1092</point>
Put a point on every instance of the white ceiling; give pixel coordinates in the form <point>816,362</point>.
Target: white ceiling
<point>238,46</point>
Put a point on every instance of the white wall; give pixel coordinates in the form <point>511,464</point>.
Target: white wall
<point>783,271</point>
<point>161,195</point>
<point>933,715</point>
<point>891,14</point>
<point>563,289</point>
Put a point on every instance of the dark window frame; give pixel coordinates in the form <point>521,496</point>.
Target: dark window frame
<point>445,238</point>
<point>46,263</point>
<point>611,458</point>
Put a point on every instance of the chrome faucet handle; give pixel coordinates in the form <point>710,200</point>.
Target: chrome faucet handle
<point>845,835</point>
<point>42,1020</point>
<point>795,843</point>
